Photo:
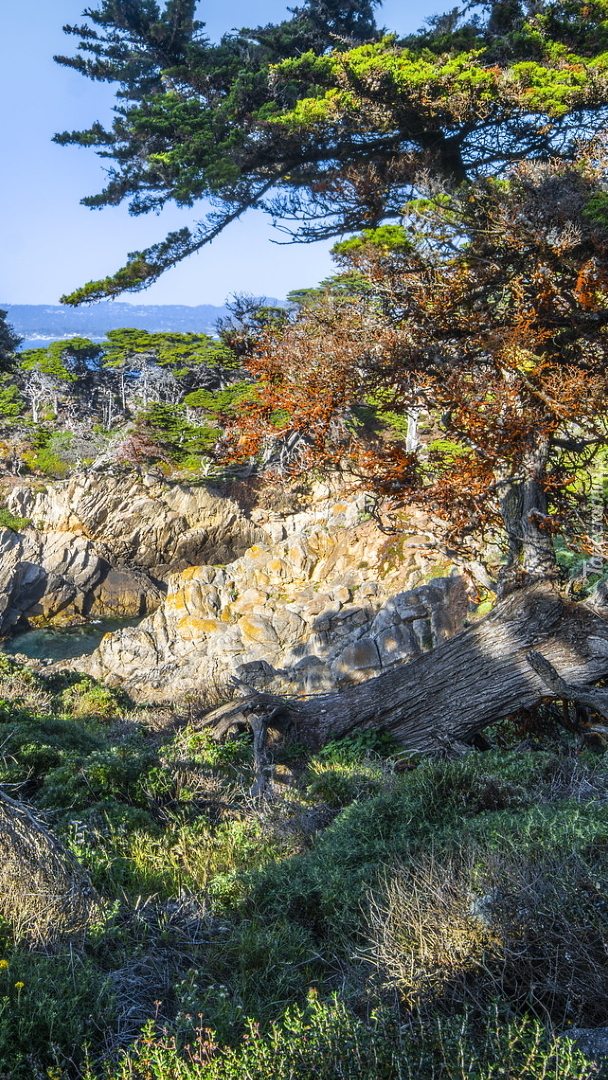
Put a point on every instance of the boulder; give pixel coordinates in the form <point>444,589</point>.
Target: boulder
<point>360,658</point>
<point>125,594</point>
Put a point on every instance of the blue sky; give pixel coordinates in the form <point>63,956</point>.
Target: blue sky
<point>49,243</point>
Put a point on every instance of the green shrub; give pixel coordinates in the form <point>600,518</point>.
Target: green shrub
<point>48,462</point>
<point>58,733</point>
<point>193,462</point>
<point>354,748</point>
<point>35,748</point>
<point>86,697</point>
<point>166,433</point>
<point>124,852</point>
<point>202,749</point>
<point>8,520</point>
<point>220,403</point>
<point>112,773</point>
<point>339,786</point>
<point>255,969</point>
<point>326,1042</point>
<point>332,788</point>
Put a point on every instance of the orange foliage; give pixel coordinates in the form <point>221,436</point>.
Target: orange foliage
<point>494,321</point>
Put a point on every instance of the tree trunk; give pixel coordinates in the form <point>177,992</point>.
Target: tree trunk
<point>443,698</point>
<point>412,441</point>
<point>531,555</point>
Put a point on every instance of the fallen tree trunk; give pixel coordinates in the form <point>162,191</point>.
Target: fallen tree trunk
<point>443,698</point>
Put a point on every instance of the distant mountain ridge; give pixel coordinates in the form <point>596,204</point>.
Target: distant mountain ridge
<point>40,324</point>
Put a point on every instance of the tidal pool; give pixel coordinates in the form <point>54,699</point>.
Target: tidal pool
<point>63,643</point>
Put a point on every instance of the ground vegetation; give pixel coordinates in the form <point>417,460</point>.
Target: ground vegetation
<point>382,915</point>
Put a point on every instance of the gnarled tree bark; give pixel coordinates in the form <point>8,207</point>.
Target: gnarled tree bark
<point>442,699</point>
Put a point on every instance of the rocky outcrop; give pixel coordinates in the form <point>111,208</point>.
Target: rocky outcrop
<point>140,520</point>
<point>102,544</point>
<point>295,603</point>
<point>327,600</point>
<point>57,577</point>
<point>17,578</point>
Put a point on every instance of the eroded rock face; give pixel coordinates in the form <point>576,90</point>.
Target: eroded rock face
<point>327,600</point>
<point>57,577</point>
<point>298,603</point>
<point>14,574</point>
<point>102,544</point>
<point>140,521</point>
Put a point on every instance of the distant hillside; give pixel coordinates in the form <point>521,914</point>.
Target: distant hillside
<point>40,324</point>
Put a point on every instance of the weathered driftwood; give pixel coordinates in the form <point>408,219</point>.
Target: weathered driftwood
<point>442,699</point>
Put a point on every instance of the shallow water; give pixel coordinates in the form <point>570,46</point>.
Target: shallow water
<point>63,643</point>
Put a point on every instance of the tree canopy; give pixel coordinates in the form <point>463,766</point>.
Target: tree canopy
<point>467,161</point>
<point>324,120</point>
<point>135,396</point>
<point>488,309</point>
